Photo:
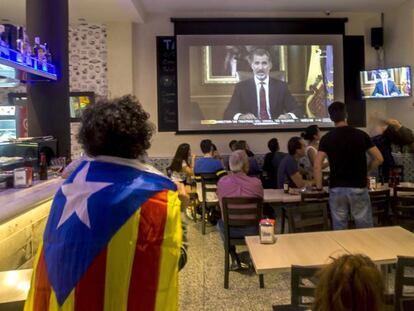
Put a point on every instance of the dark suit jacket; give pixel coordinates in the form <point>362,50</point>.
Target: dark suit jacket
<point>244,100</point>
<point>379,88</point>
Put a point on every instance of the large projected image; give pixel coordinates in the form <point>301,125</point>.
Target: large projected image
<point>250,86</point>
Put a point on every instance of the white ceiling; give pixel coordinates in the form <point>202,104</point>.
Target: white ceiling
<point>177,6</point>
<point>135,10</point>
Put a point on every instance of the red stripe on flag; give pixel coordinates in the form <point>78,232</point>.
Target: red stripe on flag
<point>42,286</point>
<point>145,270</point>
<point>90,291</point>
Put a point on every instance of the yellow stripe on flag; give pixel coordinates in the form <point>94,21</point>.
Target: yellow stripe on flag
<point>167,293</point>
<point>68,305</point>
<point>119,260</point>
<point>28,306</point>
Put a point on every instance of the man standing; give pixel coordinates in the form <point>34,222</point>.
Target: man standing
<point>346,149</point>
<point>262,97</point>
<point>385,86</point>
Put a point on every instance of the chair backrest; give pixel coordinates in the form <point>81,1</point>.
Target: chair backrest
<point>403,207</point>
<point>380,201</point>
<point>401,279</point>
<point>240,212</point>
<point>308,217</point>
<point>314,196</point>
<point>208,184</point>
<point>303,284</point>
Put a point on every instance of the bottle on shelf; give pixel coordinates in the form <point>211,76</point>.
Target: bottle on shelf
<point>36,47</point>
<point>48,55</point>
<point>19,44</point>
<point>42,167</point>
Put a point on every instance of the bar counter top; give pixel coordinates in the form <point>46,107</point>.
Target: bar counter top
<point>14,202</point>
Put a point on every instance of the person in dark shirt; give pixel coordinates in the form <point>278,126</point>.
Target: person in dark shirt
<point>271,164</point>
<point>254,169</point>
<point>289,168</point>
<point>346,149</point>
<point>388,132</point>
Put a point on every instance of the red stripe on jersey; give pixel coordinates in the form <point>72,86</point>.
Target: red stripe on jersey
<point>90,291</point>
<point>42,289</point>
<point>145,270</point>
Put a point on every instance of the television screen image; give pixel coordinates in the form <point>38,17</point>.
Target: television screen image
<point>244,82</point>
<point>386,82</point>
<point>78,101</point>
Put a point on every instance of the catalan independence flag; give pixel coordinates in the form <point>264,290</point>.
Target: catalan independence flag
<point>112,241</point>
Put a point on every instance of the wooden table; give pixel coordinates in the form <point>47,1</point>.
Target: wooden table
<point>303,249</point>
<point>382,245</point>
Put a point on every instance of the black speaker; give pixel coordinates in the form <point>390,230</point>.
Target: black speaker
<point>377,37</point>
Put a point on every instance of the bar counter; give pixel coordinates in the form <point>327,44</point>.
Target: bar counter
<point>14,202</point>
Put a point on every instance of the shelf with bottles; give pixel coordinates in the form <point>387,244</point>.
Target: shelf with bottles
<point>26,64</point>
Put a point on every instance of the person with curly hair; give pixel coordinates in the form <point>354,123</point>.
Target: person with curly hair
<point>350,283</point>
<point>113,237</point>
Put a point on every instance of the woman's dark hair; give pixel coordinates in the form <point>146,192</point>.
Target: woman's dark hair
<point>337,112</point>
<point>242,145</point>
<point>350,283</point>
<point>294,144</point>
<point>182,154</point>
<point>232,145</point>
<point>310,132</point>
<point>273,145</point>
<point>117,127</point>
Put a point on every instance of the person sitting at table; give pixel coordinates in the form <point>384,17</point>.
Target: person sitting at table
<point>349,283</point>
<point>238,184</point>
<point>289,167</point>
<point>271,164</point>
<point>254,169</point>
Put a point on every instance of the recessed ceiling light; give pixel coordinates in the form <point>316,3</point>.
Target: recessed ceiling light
<point>82,19</point>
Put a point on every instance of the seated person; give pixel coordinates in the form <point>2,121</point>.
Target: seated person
<point>254,169</point>
<point>385,86</point>
<point>207,164</point>
<point>238,184</point>
<point>271,164</point>
<point>351,282</point>
<point>289,167</point>
<point>180,168</point>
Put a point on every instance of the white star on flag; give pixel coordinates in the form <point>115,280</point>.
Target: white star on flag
<point>77,194</point>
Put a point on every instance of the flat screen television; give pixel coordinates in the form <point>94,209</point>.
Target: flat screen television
<point>383,83</point>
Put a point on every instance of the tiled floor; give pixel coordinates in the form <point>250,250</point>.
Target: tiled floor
<point>201,280</point>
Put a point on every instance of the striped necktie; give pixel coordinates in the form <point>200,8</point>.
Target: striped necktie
<point>263,109</point>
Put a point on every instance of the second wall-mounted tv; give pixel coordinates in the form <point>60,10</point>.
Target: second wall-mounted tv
<point>385,83</point>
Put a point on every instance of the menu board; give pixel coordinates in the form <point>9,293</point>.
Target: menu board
<point>167,84</point>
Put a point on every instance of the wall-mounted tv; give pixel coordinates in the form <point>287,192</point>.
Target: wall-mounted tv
<point>385,83</point>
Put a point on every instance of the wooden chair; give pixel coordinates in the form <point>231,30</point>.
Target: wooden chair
<point>208,185</point>
<point>310,215</point>
<point>300,276</point>
<point>320,197</point>
<point>403,207</point>
<point>231,214</point>
<point>402,280</point>
<point>380,202</point>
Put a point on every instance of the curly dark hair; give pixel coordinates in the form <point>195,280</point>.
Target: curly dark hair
<point>117,127</point>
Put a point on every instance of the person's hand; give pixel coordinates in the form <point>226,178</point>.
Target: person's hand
<point>394,123</point>
<point>394,94</point>
<point>378,95</point>
<point>247,116</point>
<point>285,116</point>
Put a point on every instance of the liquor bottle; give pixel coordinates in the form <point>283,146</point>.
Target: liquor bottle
<point>47,53</point>
<point>286,187</point>
<point>36,47</point>
<point>42,167</point>
<point>19,43</point>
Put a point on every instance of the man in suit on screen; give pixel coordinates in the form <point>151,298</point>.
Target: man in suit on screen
<point>385,86</point>
<point>262,97</point>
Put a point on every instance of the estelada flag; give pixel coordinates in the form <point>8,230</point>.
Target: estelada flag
<point>112,241</point>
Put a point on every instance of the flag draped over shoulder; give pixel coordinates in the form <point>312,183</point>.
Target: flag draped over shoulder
<point>112,242</point>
